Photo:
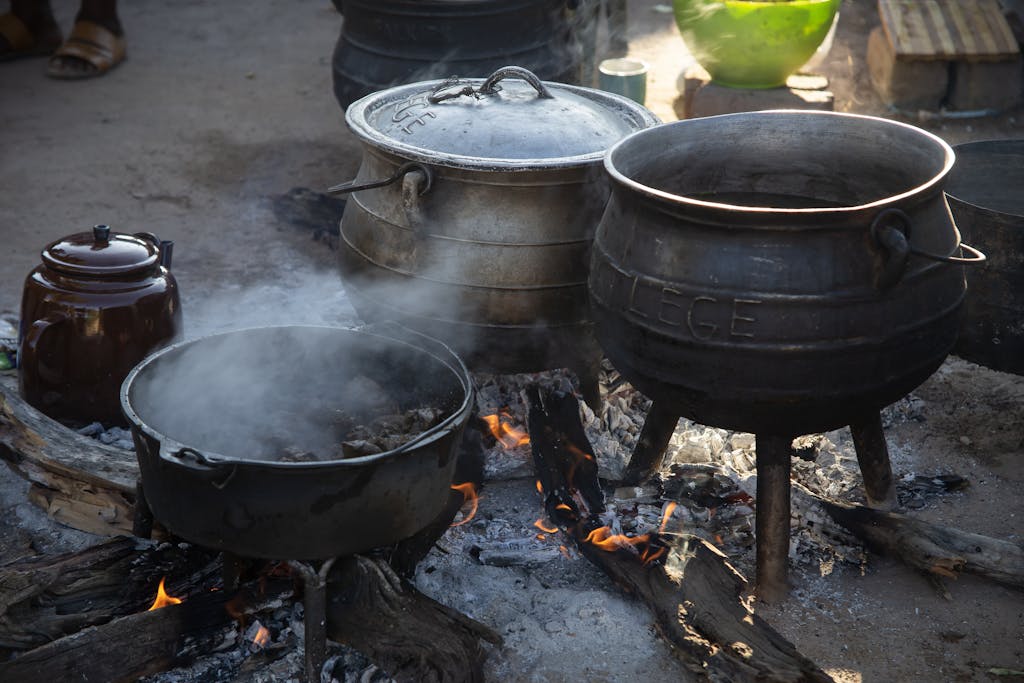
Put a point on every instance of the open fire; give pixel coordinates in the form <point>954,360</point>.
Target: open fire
<point>505,433</point>
<point>162,598</point>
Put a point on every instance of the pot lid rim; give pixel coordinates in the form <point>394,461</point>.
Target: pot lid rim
<point>126,266</point>
<point>743,210</point>
<point>428,436</point>
<point>357,116</point>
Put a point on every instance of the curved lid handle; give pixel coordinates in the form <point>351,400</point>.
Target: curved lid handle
<point>489,86</point>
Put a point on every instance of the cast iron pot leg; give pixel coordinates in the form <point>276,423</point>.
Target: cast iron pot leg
<point>772,519</point>
<point>873,457</point>
<point>142,520</point>
<point>314,615</point>
<point>649,452</point>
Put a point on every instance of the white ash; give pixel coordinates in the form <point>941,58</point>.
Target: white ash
<point>114,436</point>
<point>240,659</point>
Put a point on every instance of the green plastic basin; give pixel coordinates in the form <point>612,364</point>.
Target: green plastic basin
<point>753,43</point>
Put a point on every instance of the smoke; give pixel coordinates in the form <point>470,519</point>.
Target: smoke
<point>299,296</point>
<point>285,393</point>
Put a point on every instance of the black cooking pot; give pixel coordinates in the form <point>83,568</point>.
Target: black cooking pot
<point>779,272</point>
<point>215,419</point>
<point>390,42</point>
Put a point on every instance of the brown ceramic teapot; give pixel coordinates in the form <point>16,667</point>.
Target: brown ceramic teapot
<point>96,306</point>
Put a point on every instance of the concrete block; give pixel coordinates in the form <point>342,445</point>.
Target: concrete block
<point>986,85</point>
<point>702,97</point>
<point>904,84</point>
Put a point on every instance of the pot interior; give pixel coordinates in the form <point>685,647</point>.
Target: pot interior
<point>258,394</point>
<point>781,160</point>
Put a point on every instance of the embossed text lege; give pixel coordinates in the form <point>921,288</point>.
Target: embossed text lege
<point>706,317</point>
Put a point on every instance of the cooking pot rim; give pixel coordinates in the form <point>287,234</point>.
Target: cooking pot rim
<point>682,200</point>
<point>169,445</point>
<point>358,113</point>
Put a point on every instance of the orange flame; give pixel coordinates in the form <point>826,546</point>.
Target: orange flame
<point>468,492</point>
<point>540,487</point>
<point>603,538</point>
<point>669,509</point>
<point>162,598</point>
<point>540,525</point>
<point>508,436</point>
<point>262,637</point>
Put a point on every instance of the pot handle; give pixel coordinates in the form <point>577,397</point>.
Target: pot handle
<point>489,86</point>
<point>206,468</point>
<point>164,247</point>
<point>890,231</point>
<point>28,353</point>
<point>425,180</point>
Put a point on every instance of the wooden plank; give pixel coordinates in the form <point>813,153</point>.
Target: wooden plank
<point>949,30</point>
<point>77,480</point>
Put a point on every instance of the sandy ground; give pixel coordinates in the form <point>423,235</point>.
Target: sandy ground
<point>223,105</point>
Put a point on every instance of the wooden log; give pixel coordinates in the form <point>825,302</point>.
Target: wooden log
<point>938,551</point>
<point>694,593</point>
<point>144,643</point>
<point>77,480</point>
<point>46,597</point>
<point>408,635</point>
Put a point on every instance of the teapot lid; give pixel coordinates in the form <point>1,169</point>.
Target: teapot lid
<point>101,253</point>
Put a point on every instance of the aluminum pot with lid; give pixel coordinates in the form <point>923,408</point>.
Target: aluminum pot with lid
<point>99,302</point>
<point>473,212</point>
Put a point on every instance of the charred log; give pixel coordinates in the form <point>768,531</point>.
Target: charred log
<point>46,598</point>
<point>407,634</point>
<point>938,551</point>
<point>147,642</point>
<point>695,595</point>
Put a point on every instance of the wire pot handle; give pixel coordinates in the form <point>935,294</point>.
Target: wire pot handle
<point>425,181</point>
<point>891,231</point>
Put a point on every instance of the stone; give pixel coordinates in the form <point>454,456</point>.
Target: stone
<point>986,85</point>
<point>700,96</point>
<point>905,84</point>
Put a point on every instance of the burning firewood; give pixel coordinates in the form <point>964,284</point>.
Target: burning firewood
<point>694,593</point>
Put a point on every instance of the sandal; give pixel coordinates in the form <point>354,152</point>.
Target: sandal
<point>22,42</point>
<point>95,45</point>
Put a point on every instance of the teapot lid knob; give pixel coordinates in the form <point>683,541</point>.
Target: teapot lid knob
<point>101,233</point>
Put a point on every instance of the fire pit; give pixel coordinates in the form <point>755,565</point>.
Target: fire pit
<point>219,423</point>
<point>781,273</point>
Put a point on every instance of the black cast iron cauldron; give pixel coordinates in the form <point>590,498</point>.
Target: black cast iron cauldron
<point>777,272</point>
<point>212,418</point>
<point>390,42</point>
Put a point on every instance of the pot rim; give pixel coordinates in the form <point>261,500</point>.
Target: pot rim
<point>170,445</point>
<point>682,200</point>
<point>357,115</point>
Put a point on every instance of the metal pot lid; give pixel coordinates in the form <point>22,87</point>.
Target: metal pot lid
<point>101,253</point>
<point>522,123</point>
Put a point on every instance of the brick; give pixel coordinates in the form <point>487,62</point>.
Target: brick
<point>986,85</point>
<point>904,84</point>
<point>701,97</point>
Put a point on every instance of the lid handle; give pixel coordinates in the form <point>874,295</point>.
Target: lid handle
<point>101,234</point>
<point>489,86</point>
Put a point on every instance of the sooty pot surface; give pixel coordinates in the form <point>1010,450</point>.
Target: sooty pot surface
<point>215,419</point>
<point>777,272</point>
